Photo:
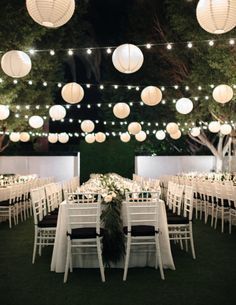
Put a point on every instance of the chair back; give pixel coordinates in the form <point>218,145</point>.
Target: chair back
<point>188,202</point>
<point>178,196</point>
<point>141,196</point>
<point>83,198</point>
<point>39,204</point>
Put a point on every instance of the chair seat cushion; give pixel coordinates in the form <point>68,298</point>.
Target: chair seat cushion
<point>177,219</point>
<point>54,212</point>
<point>47,223</point>
<point>4,203</point>
<point>140,230</point>
<point>49,217</point>
<point>85,233</point>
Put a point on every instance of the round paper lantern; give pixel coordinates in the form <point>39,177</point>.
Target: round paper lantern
<point>24,136</point>
<point>90,138</point>
<point>172,127</point>
<point>176,135</point>
<point>87,126</point>
<point>195,131</point>
<point>4,112</point>
<point>63,137</point>
<point>225,129</point>
<point>184,105</point>
<point>125,137</point>
<point>160,135</point>
<point>57,112</point>
<point>100,137</point>
<point>127,58</point>
<point>15,136</point>
<point>16,63</point>
<point>36,121</point>
<point>141,136</point>
<point>52,138</point>
<point>223,94</point>
<point>214,126</point>
<point>51,13</point>
<point>151,95</point>
<point>72,93</point>
<point>134,128</point>
<point>216,16</point>
<point>121,110</point>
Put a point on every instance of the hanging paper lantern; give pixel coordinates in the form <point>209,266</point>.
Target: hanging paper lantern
<point>195,131</point>
<point>36,121</point>
<point>134,128</point>
<point>90,138</point>
<point>24,136</point>
<point>72,93</point>
<point>63,137</point>
<point>172,127</point>
<point>176,135</point>
<point>87,126</point>
<point>15,136</point>
<point>216,16</point>
<point>160,135</point>
<point>16,63</point>
<point>214,126</point>
<point>141,136</point>
<point>151,95</point>
<point>52,138</point>
<point>223,94</point>
<point>125,137</point>
<point>51,13</point>
<point>100,137</point>
<point>57,112</point>
<point>184,105</point>
<point>225,129</point>
<point>127,58</point>
<point>4,112</point>
<point>121,110</point>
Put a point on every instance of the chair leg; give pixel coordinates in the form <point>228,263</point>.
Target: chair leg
<point>158,257</point>
<point>68,260</point>
<point>216,217</point>
<point>222,220</point>
<point>212,215</point>
<point>191,241</point>
<point>230,224</point>
<point>127,257</point>
<point>9,216</point>
<point>35,245</point>
<point>100,259</point>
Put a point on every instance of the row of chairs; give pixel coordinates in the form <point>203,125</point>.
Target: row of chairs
<point>71,185</point>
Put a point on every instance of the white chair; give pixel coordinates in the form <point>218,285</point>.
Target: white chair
<point>8,208</point>
<point>222,206</point>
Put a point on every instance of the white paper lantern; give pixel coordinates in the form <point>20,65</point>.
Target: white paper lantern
<point>53,138</point>
<point>90,138</point>
<point>87,126</point>
<point>127,58</point>
<point>195,131</point>
<point>4,112</point>
<point>160,135</point>
<point>63,137</point>
<point>36,121</point>
<point>51,13</point>
<point>16,63</point>
<point>216,16</point>
<point>72,93</point>
<point>184,105</point>
<point>141,136</point>
<point>214,126</point>
<point>24,136</point>
<point>125,137</point>
<point>57,112</point>
<point>225,129</point>
<point>223,93</point>
<point>176,135</point>
<point>121,110</point>
<point>151,95</point>
<point>172,127</point>
<point>134,128</point>
<point>100,137</point>
<point>15,136</point>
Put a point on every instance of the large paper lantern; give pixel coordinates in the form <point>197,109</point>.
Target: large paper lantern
<point>16,63</point>
<point>63,137</point>
<point>15,136</point>
<point>24,136</point>
<point>176,135</point>
<point>225,129</point>
<point>100,137</point>
<point>214,126</point>
<point>134,128</point>
<point>36,121</point>
<point>160,135</point>
<point>172,127</point>
<point>151,95</point>
<point>57,112</point>
<point>125,137</point>
<point>195,131</point>
<point>4,112</point>
<point>72,93</point>
<point>184,105</point>
<point>52,138</point>
<point>121,110</point>
<point>127,58</point>
<point>51,13</point>
<point>223,93</point>
<point>87,126</point>
<point>216,16</point>
<point>141,136</point>
<point>90,138</point>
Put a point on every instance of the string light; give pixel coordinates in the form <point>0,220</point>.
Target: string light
<point>52,52</point>
<point>169,46</point>
<point>148,46</point>
<point>70,52</point>
<point>89,51</point>
<point>109,50</point>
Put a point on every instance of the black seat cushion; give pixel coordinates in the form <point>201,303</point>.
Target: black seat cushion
<point>54,212</point>
<point>47,223</point>
<point>177,219</point>
<point>49,217</point>
<point>141,230</point>
<point>85,233</point>
<point>4,203</point>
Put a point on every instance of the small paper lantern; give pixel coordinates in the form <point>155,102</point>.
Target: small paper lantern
<point>172,127</point>
<point>134,128</point>
<point>16,63</point>
<point>141,136</point>
<point>125,137</point>
<point>195,131</point>
<point>57,112</point>
<point>214,126</point>
<point>223,94</point>
<point>24,136</point>
<point>72,93</point>
<point>160,135</point>
<point>121,110</point>
<point>63,137</point>
<point>90,138</point>
<point>52,138</point>
<point>87,126</point>
<point>176,135</point>
<point>127,58</point>
<point>184,105</point>
<point>15,136</point>
<point>36,121</point>
<point>51,13</point>
<point>225,129</point>
<point>4,112</point>
<point>100,137</point>
<point>151,95</point>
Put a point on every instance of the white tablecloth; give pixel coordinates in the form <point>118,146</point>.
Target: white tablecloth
<point>138,259</point>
